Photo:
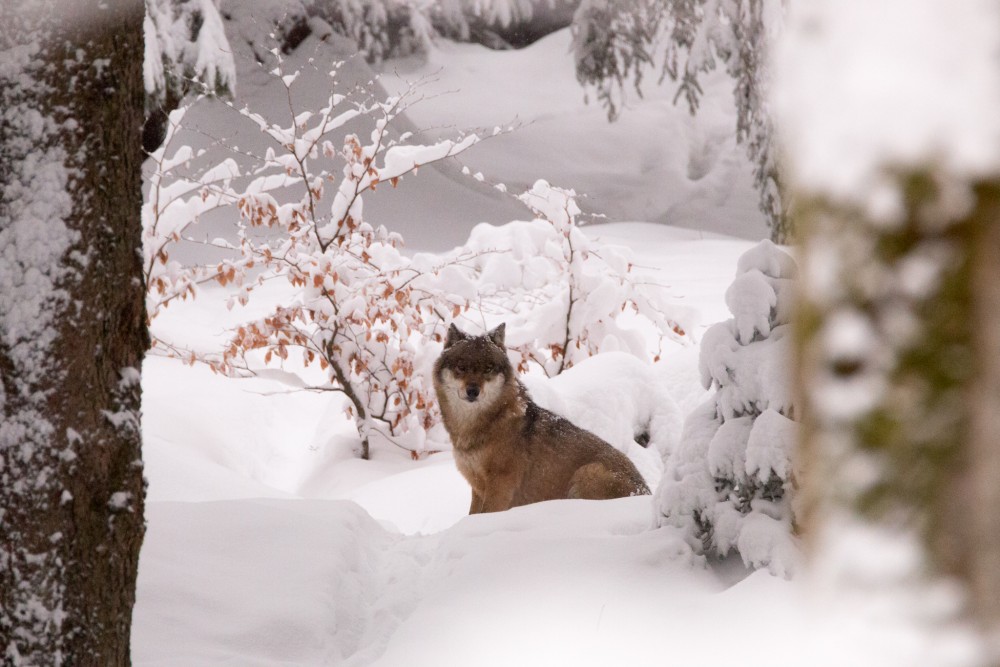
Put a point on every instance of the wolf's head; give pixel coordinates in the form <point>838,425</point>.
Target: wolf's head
<point>473,371</point>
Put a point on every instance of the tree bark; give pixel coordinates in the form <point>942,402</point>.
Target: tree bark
<point>72,330</point>
<point>899,371</point>
<point>984,429</point>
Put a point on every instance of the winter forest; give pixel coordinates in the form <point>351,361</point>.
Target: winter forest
<point>293,292</point>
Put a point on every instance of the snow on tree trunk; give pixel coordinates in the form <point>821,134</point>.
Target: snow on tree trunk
<point>898,346</point>
<point>72,329</point>
<point>729,483</point>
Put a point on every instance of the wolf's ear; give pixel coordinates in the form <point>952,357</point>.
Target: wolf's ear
<point>497,335</point>
<point>454,335</point>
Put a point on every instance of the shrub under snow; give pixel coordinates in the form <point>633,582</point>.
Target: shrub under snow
<point>565,297</point>
<point>728,484</point>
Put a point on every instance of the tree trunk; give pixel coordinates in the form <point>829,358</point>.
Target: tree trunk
<point>899,370</point>
<point>72,329</point>
<point>984,430</point>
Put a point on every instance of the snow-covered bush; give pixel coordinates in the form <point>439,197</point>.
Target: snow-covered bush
<point>564,296</point>
<point>362,311</point>
<point>729,483</point>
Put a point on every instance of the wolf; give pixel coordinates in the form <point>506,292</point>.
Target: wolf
<point>511,451</point>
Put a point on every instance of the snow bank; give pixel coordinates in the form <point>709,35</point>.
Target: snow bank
<point>518,588</point>
<point>261,583</point>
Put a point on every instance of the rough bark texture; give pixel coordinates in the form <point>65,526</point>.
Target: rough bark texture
<point>920,453</point>
<point>984,443</point>
<point>71,484</point>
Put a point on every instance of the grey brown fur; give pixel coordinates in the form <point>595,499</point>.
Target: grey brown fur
<point>511,451</point>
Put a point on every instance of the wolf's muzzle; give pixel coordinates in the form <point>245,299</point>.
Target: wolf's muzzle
<point>472,392</point>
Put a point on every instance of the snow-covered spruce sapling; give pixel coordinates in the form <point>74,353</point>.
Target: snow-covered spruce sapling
<point>361,310</point>
<point>730,482</point>
<point>564,296</point>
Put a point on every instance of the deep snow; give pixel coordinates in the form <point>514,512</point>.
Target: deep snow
<point>268,544</point>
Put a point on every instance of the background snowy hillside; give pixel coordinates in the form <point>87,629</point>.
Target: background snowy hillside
<point>656,163</point>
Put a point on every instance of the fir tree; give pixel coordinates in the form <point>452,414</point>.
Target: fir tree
<point>729,484</point>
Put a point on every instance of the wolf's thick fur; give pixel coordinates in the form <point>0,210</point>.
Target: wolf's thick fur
<point>510,450</point>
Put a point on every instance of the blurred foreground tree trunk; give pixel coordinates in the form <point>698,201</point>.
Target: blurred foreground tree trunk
<point>982,533</point>
<point>899,340</point>
<point>72,329</point>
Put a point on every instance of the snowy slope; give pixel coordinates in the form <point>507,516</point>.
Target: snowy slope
<point>656,163</point>
<point>571,582</point>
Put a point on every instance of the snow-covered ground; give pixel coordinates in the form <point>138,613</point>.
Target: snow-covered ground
<point>269,545</point>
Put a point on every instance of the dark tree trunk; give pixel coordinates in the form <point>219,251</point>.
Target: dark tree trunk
<point>72,329</point>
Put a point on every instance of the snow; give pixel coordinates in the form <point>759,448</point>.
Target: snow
<point>701,181</point>
<point>771,445</point>
<point>32,245</point>
<point>872,85</point>
<point>205,56</point>
<point>35,238</point>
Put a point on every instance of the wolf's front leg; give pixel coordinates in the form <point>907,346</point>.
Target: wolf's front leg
<point>498,496</point>
<point>477,503</point>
